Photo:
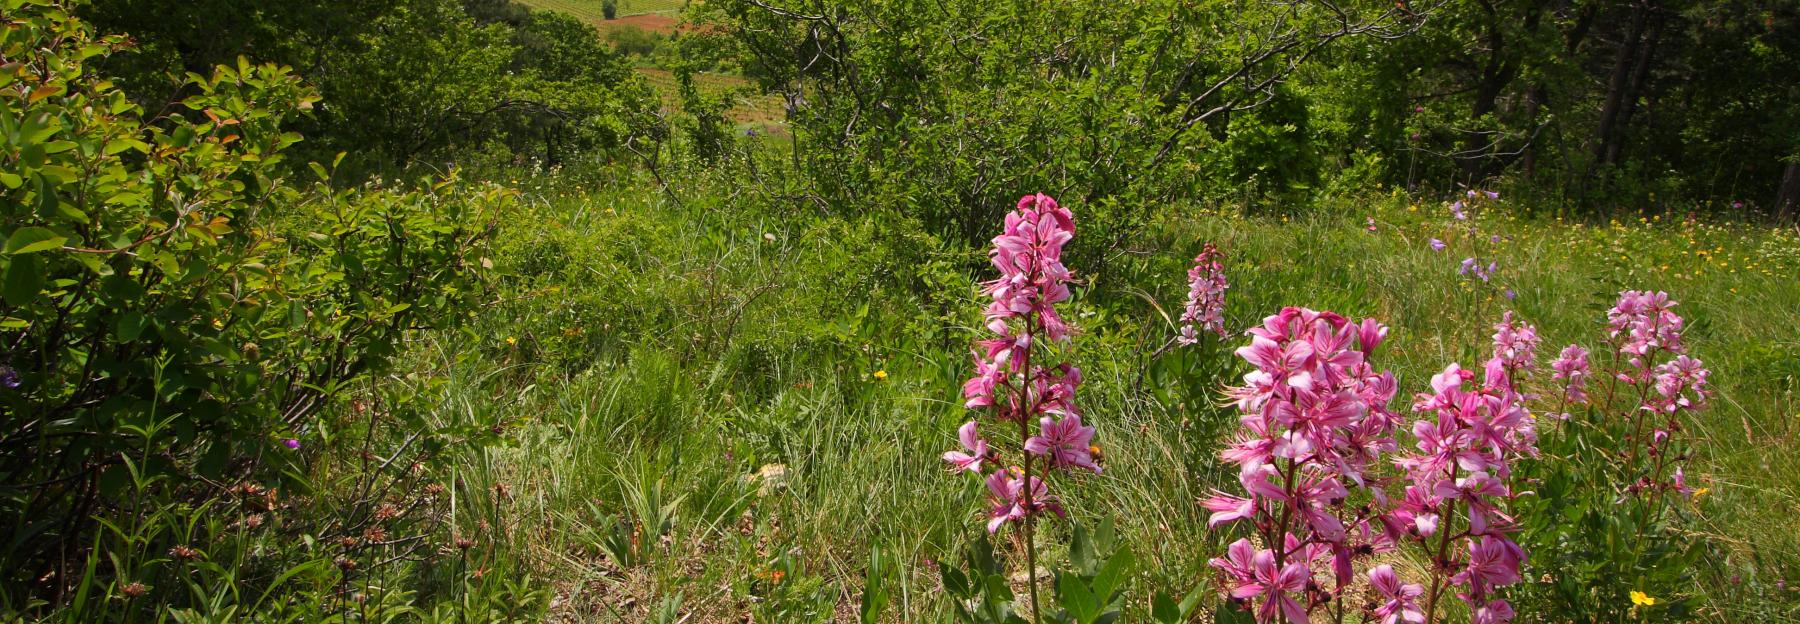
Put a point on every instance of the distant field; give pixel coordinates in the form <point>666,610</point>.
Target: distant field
<point>757,109</point>
<point>589,10</point>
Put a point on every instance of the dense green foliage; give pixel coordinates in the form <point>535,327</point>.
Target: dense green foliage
<point>1594,105</point>
<point>403,81</point>
<point>175,307</point>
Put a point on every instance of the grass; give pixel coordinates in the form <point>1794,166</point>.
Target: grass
<point>724,350</point>
<point>590,10</point>
<point>763,111</point>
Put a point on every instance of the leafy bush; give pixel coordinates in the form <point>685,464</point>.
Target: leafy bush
<point>175,311</point>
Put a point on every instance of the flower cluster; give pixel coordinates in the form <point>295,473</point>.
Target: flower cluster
<point>1467,438</point>
<point>1206,296</point>
<point>1643,326</point>
<point>1640,324</point>
<point>1515,343</point>
<point>1023,319</point>
<point>1571,368</point>
<point>1315,417</point>
<point>1471,266</point>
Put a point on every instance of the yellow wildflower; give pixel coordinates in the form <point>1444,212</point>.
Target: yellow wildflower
<point>881,374</point>
<point>1641,599</point>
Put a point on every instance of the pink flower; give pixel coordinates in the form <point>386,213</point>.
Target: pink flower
<point>1644,321</point>
<point>1494,612</point>
<point>1401,598</point>
<point>1008,495</point>
<point>1493,562</point>
<point>1679,482</point>
<point>1277,587</point>
<point>292,443</point>
<point>1206,296</point>
<point>1515,343</point>
<point>1571,368</point>
<point>977,447</point>
<point>1065,441</point>
<point>1020,315</point>
<point>1227,509</point>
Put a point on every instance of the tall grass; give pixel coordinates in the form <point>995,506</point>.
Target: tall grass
<point>717,357</point>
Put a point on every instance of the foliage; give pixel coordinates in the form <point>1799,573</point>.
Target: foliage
<point>408,81</point>
<point>176,312</point>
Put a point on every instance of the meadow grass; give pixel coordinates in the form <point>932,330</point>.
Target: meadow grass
<point>590,10</point>
<point>717,363</point>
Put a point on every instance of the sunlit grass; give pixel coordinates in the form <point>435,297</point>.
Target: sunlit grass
<point>725,345</point>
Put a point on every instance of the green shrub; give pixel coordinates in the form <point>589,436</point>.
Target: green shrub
<point>174,311</point>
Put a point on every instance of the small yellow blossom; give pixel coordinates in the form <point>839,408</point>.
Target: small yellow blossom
<point>881,374</point>
<point>511,340</point>
<point>1641,599</point>
<point>1699,492</point>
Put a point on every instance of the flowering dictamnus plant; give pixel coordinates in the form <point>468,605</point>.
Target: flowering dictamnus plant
<point>1205,310</point>
<point>1316,424</point>
<point>1016,383</point>
<point>1315,419</point>
<point>1620,447</point>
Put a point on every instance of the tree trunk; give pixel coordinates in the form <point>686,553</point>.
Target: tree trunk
<point>1787,201</point>
<point>1634,90</point>
<point>1616,87</point>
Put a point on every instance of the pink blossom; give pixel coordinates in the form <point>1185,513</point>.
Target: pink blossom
<point>1493,612</point>
<point>1065,441</point>
<point>1277,587</point>
<point>1515,343</point>
<point>1400,602</point>
<point>1571,368</point>
<point>977,447</point>
<point>1493,562</point>
<point>1227,508</point>
<point>1009,498</point>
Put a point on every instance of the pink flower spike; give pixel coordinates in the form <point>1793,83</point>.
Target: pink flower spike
<point>1206,296</point>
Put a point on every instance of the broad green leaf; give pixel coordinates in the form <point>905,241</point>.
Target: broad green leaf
<point>33,239</point>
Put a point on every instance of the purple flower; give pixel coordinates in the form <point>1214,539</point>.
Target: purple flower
<point>1418,109</point>
<point>1456,210</point>
<point>9,378</point>
<point>1515,343</point>
<point>1437,245</point>
<point>292,443</point>
<point>1510,295</point>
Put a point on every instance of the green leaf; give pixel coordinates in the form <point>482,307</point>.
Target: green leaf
<point>1163,609</point>
<point>1112,574</point>
<point>33,239</point>
<point>24,278</point>
<point>1226,613</point>
<point>1076,598</point>
<point>131,325</point>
